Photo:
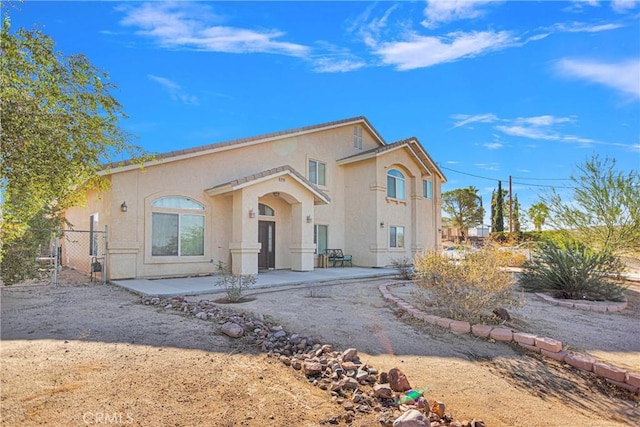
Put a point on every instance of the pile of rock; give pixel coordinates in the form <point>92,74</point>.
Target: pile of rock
<point>357,387</point>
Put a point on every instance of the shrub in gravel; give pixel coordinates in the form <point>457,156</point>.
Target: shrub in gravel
<point>468,290</point>
<point>234,284</point>
<point>574,271</point>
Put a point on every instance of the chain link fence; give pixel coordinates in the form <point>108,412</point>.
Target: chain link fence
<point>43,254</point>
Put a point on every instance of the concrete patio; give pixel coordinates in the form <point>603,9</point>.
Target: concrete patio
<point>268,279</point>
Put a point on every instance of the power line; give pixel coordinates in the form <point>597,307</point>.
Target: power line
<point>519,183</point>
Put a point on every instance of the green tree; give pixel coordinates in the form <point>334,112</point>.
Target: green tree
<point>516,214</point>
<point>462,205</point>
<point>604,209</point>
<point>497,209</point>
<point>539,213</point>
<point>59,127</point>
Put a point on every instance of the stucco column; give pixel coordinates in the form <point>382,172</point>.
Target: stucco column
<point>244,246</point>
<point>302,246</point>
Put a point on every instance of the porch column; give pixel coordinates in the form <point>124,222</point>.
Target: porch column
<point>244,246</point>
<point>302,246</point>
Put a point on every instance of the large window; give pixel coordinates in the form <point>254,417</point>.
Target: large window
<point>317,172</point>
<point>395,184</point>
<point>396,237</point>
<point>320,238</point>
<point>427,189</point>
<point>357,137</point>
<point>177,227</point>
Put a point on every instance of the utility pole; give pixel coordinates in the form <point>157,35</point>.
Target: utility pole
<point>510,207</point>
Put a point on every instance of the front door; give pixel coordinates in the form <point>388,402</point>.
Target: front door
<point>267,239</point>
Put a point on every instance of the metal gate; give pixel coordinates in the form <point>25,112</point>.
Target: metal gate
<point>82,250</point>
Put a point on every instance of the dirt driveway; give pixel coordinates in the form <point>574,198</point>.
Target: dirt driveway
<point>88,354</point>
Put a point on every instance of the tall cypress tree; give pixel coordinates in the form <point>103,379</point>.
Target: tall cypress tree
<point>516,214</point>
<point>493,210</point>
<point>499,217</point>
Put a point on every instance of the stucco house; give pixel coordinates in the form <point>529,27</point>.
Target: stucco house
<point>272,201</point>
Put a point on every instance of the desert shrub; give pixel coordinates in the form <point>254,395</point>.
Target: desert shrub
<point>574,271</point>
<point>511,259</point>
<point>404,266</point>
<point>234,284</point>
<point>467,290</point>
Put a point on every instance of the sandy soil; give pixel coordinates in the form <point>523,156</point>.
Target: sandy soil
<point>86,354</point>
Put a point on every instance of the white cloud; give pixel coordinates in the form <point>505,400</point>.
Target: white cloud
<point>180,25</point>
<point>336,65</point>
<point>623,6</point>
<point>426,51</point>
<point>546,120</point>
<point>175,90</point>
<point>438,11</point>
<point>623,77</point>
<point>493,145</point>
<point>582,27</point>
<point>465,119</point>
<point>488,166</point>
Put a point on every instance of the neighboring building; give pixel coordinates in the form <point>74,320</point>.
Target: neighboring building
<point>273,201</point>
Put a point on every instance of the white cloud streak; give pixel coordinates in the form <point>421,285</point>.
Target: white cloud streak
<point>426,51</point>
<point>465,119</point>
<point>438,12</point>
<point>177,25</point>
<point>623,77</point>
<point>175,90</point>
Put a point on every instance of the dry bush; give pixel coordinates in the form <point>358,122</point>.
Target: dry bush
<point>467,290</point>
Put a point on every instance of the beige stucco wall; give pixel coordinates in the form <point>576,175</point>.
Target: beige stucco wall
<point>357,193</point>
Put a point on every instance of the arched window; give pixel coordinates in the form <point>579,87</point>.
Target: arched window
<point>177,227</point>
<point>395,184</point>
<point>265,210</point>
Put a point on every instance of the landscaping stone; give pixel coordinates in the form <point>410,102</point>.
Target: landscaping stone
<point>412,418</point>
<point>530,347</point>
<point>444,322</point>
<point>480,330</point>
<point>523,338</point>
<point>232,329</point>
<point>312,367</point>
<point>501,334</point>
<point>633,378</point>
<point>398,380</point>
<point>559,356</point>
<point>382,391</point>
<point>350,355</point>
<point>626,386</point>
<point>548,344</point>
<point>580,362</point>
<point>460,327</point>
<point>608,371</point>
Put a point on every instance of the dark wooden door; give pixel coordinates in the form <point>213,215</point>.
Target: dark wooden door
<point>267,239</point>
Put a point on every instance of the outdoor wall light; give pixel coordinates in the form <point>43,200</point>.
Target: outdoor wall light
<point>381,224</point>
<point>276,194</point>
<point>124,207</point>
<point>309,219</point>
<point>252,213</point>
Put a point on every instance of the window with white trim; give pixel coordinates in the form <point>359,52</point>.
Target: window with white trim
<point>357,137</point>
<point>427,189</point>
<point>177,227</point>
<point>321,238</point>
<point>396,237</point>
<point>395,184</point>
<point>317,172</point>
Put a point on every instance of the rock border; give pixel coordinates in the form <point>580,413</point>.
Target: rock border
<point>546,346</point>
<point>599,306</point>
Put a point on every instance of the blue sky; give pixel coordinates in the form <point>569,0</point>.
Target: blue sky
<point>491,89</point>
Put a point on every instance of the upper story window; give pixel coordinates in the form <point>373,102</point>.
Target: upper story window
<point>265,210</point>
<point>395,184</point>
<point>357,137</point>
<point>427,189</point>
<point>177,227</point>
<point>317,172</point>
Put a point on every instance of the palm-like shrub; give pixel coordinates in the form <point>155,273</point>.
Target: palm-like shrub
<point>469,289</point>
<point>574,271</point>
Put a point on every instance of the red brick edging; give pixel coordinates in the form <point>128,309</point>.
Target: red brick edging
<point>548,347</point>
